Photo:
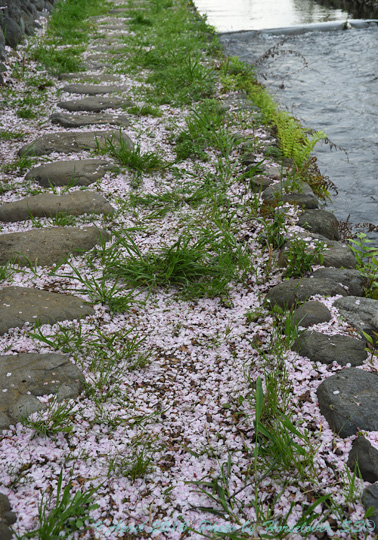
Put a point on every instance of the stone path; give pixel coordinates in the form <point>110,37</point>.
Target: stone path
<point>45,247</point>
<point>72,121</point>
<point>348,399</point>
<point>63,173</point>
<point>94,104</point>
<point>70,142</point>
<point>49,205</point>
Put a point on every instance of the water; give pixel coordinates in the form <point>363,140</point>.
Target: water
<point>328,80</point>
<point>331,86</point>
<point>238,15</point>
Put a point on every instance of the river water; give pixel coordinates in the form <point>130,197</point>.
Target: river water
<point>326,79</point>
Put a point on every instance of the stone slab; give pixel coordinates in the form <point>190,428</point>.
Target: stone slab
<point>349,401</point>
<point>290,291</point>
<point>61,173</point>
<point>327,349</point>
<point>19,305</point>
<point>49,205</point>
<point>78,120</point>
<point>105,58</point>
<point>28,375</point>
<point>110,45</point>
<point>94,104</point>
<point>71,142</point>
<point>90,77</point>
<point>93,90</point>
<point>360,313</point>
<point>46,247</point>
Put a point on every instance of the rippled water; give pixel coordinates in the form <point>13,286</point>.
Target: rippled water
<point>329,81</point>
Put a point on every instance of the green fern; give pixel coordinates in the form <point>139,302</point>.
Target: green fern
<point>293,139</point>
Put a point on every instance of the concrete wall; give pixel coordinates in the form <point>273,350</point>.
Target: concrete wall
<point>17,19</point>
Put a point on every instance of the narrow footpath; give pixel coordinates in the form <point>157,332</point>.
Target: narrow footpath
<point>187,345</point>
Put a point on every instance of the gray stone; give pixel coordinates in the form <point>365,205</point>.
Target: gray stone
<point>2,45</point>
<point>360,313</point>
<point>94,104</point>
<point>304,197</point>
<point>14,34</point>
<point>61,173</point>
<point>111,20</point>
<point>92,90</point>
<point>339,255</point>
<point>327,349</point>
<point>259,183</point>
<point>349,278</point>
<point>277,173</point>
<point>366,456</point>
<point>6,517</point>
<point>111,27</point>
<point>46,247</point>
<point>370,498</point>
<point>322,222</point>
<point>335,254</point>
<point>110,45</point>
<point>77,120</point>
<point>72,142</point>
<point>290,291</point>
<point>119,10</point>
<point>32,375</point>
<point>19,305</point>
<point>310,313</point>
<point>49,205</point>
<point>104,59</point>
<point>5,510</point>
<point>5,532</point>
<point>349,401</point>
<point>89,77</point>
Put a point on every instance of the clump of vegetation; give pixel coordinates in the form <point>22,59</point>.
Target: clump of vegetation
<point>299,260</point>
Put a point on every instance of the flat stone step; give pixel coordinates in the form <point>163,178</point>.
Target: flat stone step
<point>28,375</point>
<point>111,20</point>
<point>19,305</point>
<point>94,104</point>
<point>104,57</point>
<point>109,45</point>
<point>77,120</point>
<point>93,90</point>
<point>48,246</point>
<point>74,141</point>
<point>88,77</point>
<point>119,10</point>
<point>115,34</point>
<point>105,27</point>
<point>61,173</point>
<point>49,205</point>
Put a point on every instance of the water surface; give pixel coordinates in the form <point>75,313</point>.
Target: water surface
<point>329,81</point>
<point>237,15</point>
